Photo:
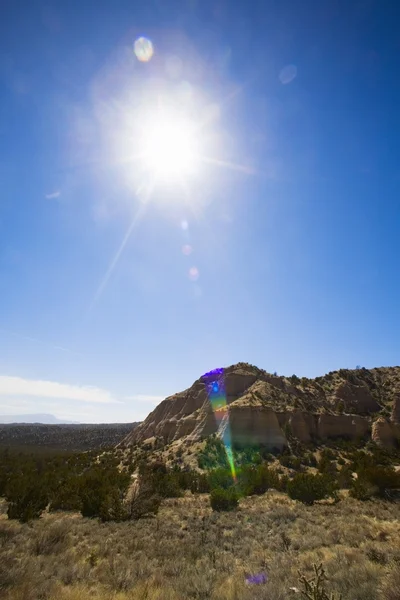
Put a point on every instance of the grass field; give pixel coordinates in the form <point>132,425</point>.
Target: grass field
<point>189,552</point>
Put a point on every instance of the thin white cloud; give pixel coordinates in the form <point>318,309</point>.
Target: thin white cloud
<point>18,386</point>
<point>145,398</point>
<point>53,195</point>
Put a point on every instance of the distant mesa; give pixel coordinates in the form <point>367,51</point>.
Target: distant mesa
<point>44,419</point>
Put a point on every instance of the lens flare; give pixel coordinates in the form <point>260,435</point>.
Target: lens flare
<point>216,392</point>
<point>194,273</point>
<point>143,49</point>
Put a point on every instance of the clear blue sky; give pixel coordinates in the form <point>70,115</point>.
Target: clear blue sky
<point>297,254</point>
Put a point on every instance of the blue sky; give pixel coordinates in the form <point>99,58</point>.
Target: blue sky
<point>294,231</point>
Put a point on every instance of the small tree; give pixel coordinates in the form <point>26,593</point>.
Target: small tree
<point>144,501</point>
<point>308,488</point>
<point>27,499</point>
<point>223,500</point>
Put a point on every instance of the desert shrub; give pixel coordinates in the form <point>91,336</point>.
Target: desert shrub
<point>309,459</point>
<point>52,539</point>
<point>345,477</point>
<point>223,500</point>
<point>290,461</point>
<point>361,490</point>
<point>144,501</point>
<point>213,455</point>
<point>112,507</point>
<point>376,481</point>
<point>220,478</point>
<point>27,499</point>
<point>308,488</point>
<point>199,483</point>
<point>66,497</point>
<point>102,491</point>
<point>391,584</point>
<point>9,572</point>
<point>376,555</point>
<point>165,483</point>
<point>257,480</point>
<point>118,573</point>
<point>314,588</point>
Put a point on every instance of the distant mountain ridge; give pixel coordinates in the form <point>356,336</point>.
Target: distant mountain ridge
<point>42,418</point>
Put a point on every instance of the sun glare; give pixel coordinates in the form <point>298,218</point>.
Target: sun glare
<point>169,147</point>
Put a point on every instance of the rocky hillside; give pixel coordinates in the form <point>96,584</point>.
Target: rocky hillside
<point>259,408</point>
<point>36,437</point>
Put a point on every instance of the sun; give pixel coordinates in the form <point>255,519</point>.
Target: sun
<point>169,148</point>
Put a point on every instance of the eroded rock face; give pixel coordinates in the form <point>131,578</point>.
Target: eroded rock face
<point>396,410</point>
<point>237,383</point>
<point>356,399</point>
<point>301,426</point>
<point>256,425</point>
<point>261,406</point>
<point>346,426</point>
<point>383,434</point>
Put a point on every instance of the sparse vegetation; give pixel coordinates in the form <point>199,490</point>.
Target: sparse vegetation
<point>309,488</point>
<point>190,551</point>
<point>224,499</point>
<point>39,438</point>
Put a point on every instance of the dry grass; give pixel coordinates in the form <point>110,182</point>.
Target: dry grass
<point>188,552</point>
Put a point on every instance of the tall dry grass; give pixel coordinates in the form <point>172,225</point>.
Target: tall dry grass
<point>189,552</point>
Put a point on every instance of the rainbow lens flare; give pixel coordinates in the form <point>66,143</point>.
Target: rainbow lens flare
<point>216,392</point>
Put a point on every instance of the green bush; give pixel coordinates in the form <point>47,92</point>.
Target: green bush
<point>223,500</point>
<point>27,500</point>
<point>144,502</point>
<point>66,497</point>
<point>375,481</point>
<point>290,461</point>
<point>308,488</point>
<point>345,477</point>
<point>257,480</point>
<point>220,478</point>
<point>361,490</point>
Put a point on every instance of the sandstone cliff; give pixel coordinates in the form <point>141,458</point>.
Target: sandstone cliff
<point>256,407</point>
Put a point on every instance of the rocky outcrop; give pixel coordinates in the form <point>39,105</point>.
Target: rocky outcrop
<point>383,433</point>
<point>302,426</point>
<point>255,425</point>
<point>260,408</point>
<point>342,426</point>
<point>396,410</point>
<point>356,399</point>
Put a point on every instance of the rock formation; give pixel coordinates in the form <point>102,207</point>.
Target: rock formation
<point>396,410</point>
<point>260,408</point>
<point>383,433</point>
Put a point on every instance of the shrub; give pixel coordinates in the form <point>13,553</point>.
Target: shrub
<point>376,481</point>
<point>391,584</point>
<point>290,461</point>
<point>345,477</point>
<point>199,483</point>
<point>361,490</point>
<point>144,502</point>
<point>53,539</point>
<point>223,500</point>
<point>66,497</point>
<point>27,499</point>
<point>220,478</point>
<point>314,588</point>
<point>257,480</point>
<point>308,488</point>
